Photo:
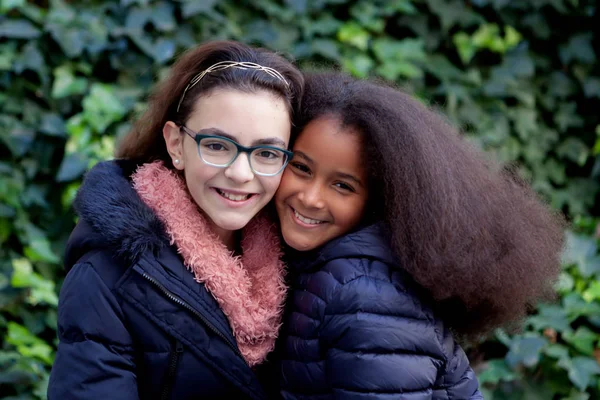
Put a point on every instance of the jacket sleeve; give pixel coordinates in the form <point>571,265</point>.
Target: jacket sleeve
<point>379,343</point>
<point>458,380</point>
<point>95,351</point>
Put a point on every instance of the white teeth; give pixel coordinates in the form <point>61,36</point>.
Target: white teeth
<point>307,220</point>
<point>233,197</point>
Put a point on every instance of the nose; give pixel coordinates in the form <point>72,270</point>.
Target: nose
<point>311,196</point>
<point>240,171</point>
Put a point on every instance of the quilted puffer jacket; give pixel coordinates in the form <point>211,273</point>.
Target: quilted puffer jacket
<point>358,327</point>
<point>133,323</point>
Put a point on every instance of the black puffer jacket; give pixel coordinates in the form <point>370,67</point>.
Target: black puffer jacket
<point>358,328</point>
<point>132,321</point>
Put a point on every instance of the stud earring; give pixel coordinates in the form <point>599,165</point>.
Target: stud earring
<point>177,161</point>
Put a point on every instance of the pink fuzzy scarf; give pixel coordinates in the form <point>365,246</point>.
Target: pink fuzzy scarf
<point>250,289</point>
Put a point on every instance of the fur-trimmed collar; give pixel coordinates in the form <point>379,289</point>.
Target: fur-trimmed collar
<point>120,220</point>
<point>250,288</point>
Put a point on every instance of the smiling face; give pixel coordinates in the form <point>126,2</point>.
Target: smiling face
<point>323,191</point>
<point>230,197</point>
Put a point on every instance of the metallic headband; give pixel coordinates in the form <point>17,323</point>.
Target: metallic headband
<point>228,64</point>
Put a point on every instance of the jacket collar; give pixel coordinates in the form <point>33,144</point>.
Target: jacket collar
<point>366,241</point>
<point>113,216</point>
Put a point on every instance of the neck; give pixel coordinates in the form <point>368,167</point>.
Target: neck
<point>229,238</point>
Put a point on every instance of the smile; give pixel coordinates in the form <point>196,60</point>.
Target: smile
<point>234,196</point>
<point>306,220</point>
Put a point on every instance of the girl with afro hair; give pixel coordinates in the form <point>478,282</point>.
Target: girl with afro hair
<point>402,238</point>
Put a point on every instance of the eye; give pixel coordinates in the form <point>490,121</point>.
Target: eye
<point>268,154</point>
<point>215,146</point>
<point>344,186</point>
<point>299,167</point>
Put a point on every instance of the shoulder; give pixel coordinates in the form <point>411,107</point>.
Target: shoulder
<point>97,271</point>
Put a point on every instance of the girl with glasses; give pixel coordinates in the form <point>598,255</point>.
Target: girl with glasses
<point>175,285</point>
<point>402,239</point>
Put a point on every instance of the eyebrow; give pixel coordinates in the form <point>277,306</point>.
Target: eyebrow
<point>342,175</point>
<point>266,141</point>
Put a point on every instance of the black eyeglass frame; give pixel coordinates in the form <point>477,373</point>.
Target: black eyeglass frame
<point>243,149</point>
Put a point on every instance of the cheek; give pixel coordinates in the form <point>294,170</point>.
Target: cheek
<point>270,184</point>
<point>287,181</point>
<point>350,213</point>
<point>197,174</point>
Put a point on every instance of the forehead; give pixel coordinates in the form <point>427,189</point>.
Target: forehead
<point>249,117</point>
<point>331,146</point>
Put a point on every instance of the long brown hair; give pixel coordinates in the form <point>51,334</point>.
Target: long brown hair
<point>144,143</point>
<point>472,234</point>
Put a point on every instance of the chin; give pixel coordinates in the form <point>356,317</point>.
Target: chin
<point>232,224</point>
<point>299,244</point>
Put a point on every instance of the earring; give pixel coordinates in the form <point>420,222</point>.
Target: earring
<point>177,161</point>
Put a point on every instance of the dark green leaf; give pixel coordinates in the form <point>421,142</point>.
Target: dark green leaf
<point>70,40</point>
<point>583,339</point>
<point>550,316</point>
<point>18,29</point>
<point>194,7</point>
<point>137,18</point>
<point>591,87</point>
<point>496,371</point>
<point>72,167</point>
<point>162,17</point>
<point>163,50</point>
<point>299,6</point>
<point>525,351</point>
<point>579,48</point>
<point>53,124</point>
<point>581,370</point>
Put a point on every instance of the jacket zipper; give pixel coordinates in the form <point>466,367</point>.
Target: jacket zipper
<point>185,305</point>
<point>170,377</point>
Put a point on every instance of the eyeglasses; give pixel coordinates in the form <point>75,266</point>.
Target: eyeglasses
<point>219,151</point>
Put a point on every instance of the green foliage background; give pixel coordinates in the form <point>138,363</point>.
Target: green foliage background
<point>521,78</point>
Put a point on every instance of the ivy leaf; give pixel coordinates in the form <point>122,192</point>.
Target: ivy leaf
<point>66,84</point>
<point>194,7</point>
<point>525,350</point>
<point>496,371</point>
<point>28,344</point>
<point>162,17</point>
<point>71,40</point>
<point>359,65</point>
<point>582,251</point>
<point>326,48</point>
<point>7,5</point>
<point>574,150</point>
<point>72,167</point>
<point>399,58</point>
<point>581,370</point>
<point>18,29</point>
<point>579,48</point>
<point>53,125</point>
<point>137,18</point>
<point>576,306</point>
<point>299,6</point>
<point>163,50</point>
<point>591,87</point>
<point>592,292</point>
<point>550,316</point>
<point>355,35</point>
<point>42,290</point>
<point>101,107</point>
<point>582,339</point>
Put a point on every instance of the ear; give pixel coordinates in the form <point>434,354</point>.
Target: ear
<point>174,142</point>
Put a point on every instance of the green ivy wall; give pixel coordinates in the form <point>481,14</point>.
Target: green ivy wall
<point>521,78</point>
